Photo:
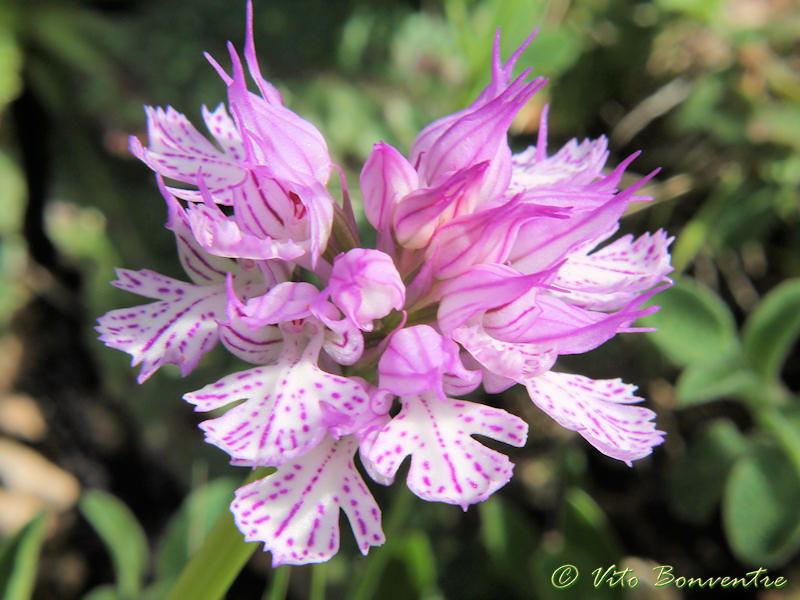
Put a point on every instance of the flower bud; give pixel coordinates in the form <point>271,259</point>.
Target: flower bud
<point>365,285</point>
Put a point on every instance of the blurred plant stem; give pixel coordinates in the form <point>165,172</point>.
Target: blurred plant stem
<point>366,585</point>
<point>317,582</point>
<point>279,583</point>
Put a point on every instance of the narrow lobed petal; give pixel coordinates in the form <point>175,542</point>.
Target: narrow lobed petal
<point>447,464</point>
<point>295,511</point>
<point>602,411</point>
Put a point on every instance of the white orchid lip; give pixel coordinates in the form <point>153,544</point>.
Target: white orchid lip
<point>485,270</point>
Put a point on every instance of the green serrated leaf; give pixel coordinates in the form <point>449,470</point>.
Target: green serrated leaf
<point>759,508</point>
<point>704,382</point>
<point>773,327</point>
<point>123,536</point>
<point>697,479</point>
<point>19,557</point>
<point>693,326</point>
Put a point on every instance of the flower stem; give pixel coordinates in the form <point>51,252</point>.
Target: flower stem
<point>279,584</point>
<point>367,583</point>
<point>317,582</point>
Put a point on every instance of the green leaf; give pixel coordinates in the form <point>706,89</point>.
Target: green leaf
<point>191,524</point>
<point>778,123</point>
<point>214,567</point>
<point>219,560</point>
<point>703,382</point>
<point>760,513</point>
<point>102,592</point>
<point>19,556</point>
<point>123,536</point>
<point>707,11</point>
<point>588,542</point>
<point>693,326</point>
<point>772,329</point>
<point>416,551</point>
<point>585,524</point>
<point>509,538</point>
<point>10,67</point>
<point>697,479</point>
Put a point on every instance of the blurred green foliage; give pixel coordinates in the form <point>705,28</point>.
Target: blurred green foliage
<point>710,91</point>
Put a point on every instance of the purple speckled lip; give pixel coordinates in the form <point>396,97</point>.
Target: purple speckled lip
<point>485,270</point>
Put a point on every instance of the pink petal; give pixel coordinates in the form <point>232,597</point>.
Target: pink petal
<point>480,288</point>
<point>600,410</point>
<point>507,362</point>
<point>222,236</point>
<point>257,346</point>
<point>344,342</point>
<point>610,278</point>
<point>366,286</point>
<point>447,464</point>
<point>386,178</point>
<point>274,135</point>
<point>574,165</point>
<point>295,511</point>
<point>543,243</point>
<point>203,268</point>
<point>178,330</point>
<point>483,237</point>
<point>416,361</point>
<point>474,137</point>
<point>282,416</point>
<point>418,214</point>
<point>286,301</point>
<point>178,151</point>
<point>551,323</point>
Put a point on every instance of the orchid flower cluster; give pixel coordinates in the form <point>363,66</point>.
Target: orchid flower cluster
<point>485,271</point>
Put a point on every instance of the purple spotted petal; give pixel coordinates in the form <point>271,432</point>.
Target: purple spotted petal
<point>447,464</point>
<point>602,411</point>
<point>575,164</point>
<point>613,276</point>
<point>178,151</point>
<point>544,320</point>
<point>179,329</point>
<point>509,361</point>
<point>222,127</point>
<point>295,511</point>
<point>282,417</point>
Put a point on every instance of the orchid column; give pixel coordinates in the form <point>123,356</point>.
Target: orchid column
<point>487,268</point>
